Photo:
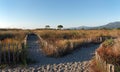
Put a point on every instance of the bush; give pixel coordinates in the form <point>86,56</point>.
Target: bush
<point>108,42</point>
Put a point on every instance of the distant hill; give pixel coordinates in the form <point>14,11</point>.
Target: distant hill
<point>81,27</point>
<point>112,25</point>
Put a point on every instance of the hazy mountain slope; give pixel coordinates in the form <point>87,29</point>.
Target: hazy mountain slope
<point>111,25</point>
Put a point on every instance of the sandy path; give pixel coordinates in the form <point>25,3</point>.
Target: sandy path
<point>77,61</point>
<point>79,55</point>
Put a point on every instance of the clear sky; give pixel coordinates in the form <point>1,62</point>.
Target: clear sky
<point>69,13</point>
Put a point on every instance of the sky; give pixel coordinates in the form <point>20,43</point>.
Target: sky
<point>32,14</point>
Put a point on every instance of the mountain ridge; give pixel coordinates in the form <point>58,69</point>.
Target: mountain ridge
<point>111,25</point>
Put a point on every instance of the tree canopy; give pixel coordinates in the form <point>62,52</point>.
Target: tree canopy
<point>47,26</point>
<point>60,26</point>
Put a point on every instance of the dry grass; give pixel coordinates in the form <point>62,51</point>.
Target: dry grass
<point>110,51</point>
<point>97,66</point>
<point>8,37</point>
<point>64,41</point>
<point>13,34</point>
<point>8,44</point>
<point>11,43</point>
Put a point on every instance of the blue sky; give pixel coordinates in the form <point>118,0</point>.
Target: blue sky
<point>69,13</point>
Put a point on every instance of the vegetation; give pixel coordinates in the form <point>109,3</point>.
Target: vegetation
<point>13,34</point>
<point>60,42</point>
<point>57,43</point>
<point>96,66</point>
<point>108,43</point>
<point>12,47</point>
<point>118,28</point>
<point>60,26</point>
<point>47,27</point>
<point>109,52</point>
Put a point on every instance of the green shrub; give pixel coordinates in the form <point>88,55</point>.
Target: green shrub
<point>108,42</point>
<point>117,68</point>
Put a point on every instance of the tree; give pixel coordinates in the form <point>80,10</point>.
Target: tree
<point>60,26</point>
<point>47,27</point>
<point>118,28</point>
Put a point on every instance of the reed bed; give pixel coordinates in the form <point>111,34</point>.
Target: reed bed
<point>12,47</point>
<point>61,42</point>
<point>109,52</point>
<point>13,34</point>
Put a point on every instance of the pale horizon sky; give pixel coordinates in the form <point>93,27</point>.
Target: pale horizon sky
<point>32,14</point>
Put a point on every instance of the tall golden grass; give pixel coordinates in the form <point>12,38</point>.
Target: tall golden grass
<point>17,35</point>
<point>8,43</point>
<point>11,45</point>
<point>64,41</point>
<point>109,51</point>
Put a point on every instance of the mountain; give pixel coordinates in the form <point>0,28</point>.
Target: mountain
<point>112,25</point>
<point>81,27</point>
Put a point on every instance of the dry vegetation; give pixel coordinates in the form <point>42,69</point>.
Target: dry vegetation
<point>13,34</point>
<point>12,46</point>
<point>60,42</point>
<point>109,52</point>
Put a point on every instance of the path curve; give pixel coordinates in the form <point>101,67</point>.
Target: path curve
<point>79,55</point>
<point>78,61</point>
